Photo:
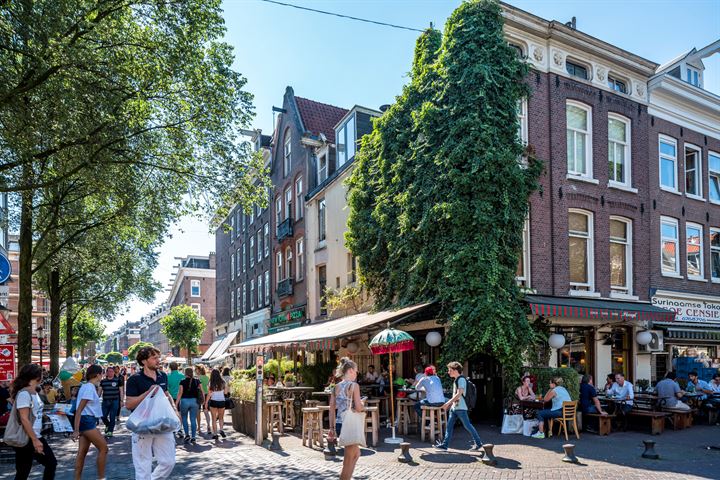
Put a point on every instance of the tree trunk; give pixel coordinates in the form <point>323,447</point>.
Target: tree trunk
<point>26,252</point>
<point>54,294</point>
<point>69,329</point>
<point>189,355</point>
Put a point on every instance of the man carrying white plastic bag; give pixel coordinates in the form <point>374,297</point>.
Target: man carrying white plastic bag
<point>155,422</point>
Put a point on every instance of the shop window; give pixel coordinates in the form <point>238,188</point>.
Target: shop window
<point>620,351</point>
<point>576,353</point>
<point>581,251</point>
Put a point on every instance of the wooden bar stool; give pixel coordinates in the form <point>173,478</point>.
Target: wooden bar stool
<point>372,423</point>
<point>323,409</point>
<point>275,416</point>
<point>312,403</point>
<point>405,421</point>
<point>433,421</point>
<point>312,428</point>
<point>289,411</point>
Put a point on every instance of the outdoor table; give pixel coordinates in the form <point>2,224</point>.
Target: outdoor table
<point>300,394</point>
<point>619,413</point>
<point>530,407</point>
<point>369,389</point>
<point>324,395</point>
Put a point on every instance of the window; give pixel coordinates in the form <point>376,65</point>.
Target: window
<point>232,306</point>
<point>692,76</point>
<point>522,127</point>
<point>668,163</point>
<point>267,287</point>
<point>523,271</point>
<point>252,251</point>
<point>352,269</point>
<point>619,149</point>
<point>244,254</point>
<point>266,236</point>
<point>288,262</point>
<point>279,265</point>
<point>252,294</point>
<point>278,212</point>
<point>322,282</point>
<point>621,255</point>
<point>195,288</point>
<point>322,169</point>
<point>259,246</point>
<point>576,70</point>
<point>321,220</point>
<point>288,202</point>
<point>244,298</point>
<point>715,254</point>
<point>581,250</point>
<point>617,85</point>
<point>232,266</point>
<point>196,307</point>
<point>240,262</point>
<point>714,176</point>
<point>578,140</point>
<point>299,203</point>
<point>346,142</point>
<point>258,211</point>
<point>693,171</point>
<point>300,252</point>
<point>259,291</point>
<point>287,151</point>
<point>233,230</point>
<point>669,245</point>
<point>694,243</point>
<point>241,219</point>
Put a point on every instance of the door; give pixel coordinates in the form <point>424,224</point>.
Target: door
<point>485,372</point>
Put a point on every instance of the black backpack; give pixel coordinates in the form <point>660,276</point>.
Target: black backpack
<point>470,393</point>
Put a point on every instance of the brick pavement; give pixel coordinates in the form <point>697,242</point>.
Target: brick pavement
<point>616,457</point>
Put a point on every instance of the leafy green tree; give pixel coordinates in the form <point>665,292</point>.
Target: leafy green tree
<point>115,358</point>
<point>133,349</point>
<point>183,328</point>
<point>87,329</point>
<point>440,193</point>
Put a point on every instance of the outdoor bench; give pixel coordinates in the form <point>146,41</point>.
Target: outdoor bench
<point>605,422</point>
<point>657,419</point>
<point>680,419</point>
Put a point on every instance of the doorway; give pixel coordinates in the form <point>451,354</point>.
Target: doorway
<point>486,373</point>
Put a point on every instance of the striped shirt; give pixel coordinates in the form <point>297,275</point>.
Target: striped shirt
<point>110,388</point>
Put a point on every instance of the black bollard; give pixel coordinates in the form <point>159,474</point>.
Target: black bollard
<point>275,445</point>
<point>330,451</point>
<point>489,458</point>
<point>405,453</point>
<point>650,450</point>
<point>569,453</point>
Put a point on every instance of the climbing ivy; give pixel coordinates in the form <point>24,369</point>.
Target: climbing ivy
<point>438,196</point>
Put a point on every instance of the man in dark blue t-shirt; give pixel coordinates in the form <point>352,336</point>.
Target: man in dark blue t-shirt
<point>589,402</point>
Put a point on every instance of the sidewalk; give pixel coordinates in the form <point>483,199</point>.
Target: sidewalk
<point>683,456</point>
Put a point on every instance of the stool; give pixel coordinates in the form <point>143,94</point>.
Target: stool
<point>404,420</point>
<point>275,416</point>
<point>312,403</point>
<point>433,421</point>
<point>312,428</point>
<point>372,423</point>
<point>289,410</point>
<point>323,409</point>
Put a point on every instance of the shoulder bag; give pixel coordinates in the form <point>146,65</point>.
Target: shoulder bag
<point>352,431</point>
<point>15,434</point>
<point>200,394</point>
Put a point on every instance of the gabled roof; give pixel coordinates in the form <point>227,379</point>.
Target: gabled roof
<point>319,117</point>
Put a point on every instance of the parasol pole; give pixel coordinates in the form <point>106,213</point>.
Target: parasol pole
<point>392,396</point>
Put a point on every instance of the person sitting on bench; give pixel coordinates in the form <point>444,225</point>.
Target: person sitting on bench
<point>622,390</point>
<point>669,393</point>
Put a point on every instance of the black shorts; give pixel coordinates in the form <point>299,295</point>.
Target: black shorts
<point>216,403</point>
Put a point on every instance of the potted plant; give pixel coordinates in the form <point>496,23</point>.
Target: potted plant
<point>242,391</point>
<point>289,379</point>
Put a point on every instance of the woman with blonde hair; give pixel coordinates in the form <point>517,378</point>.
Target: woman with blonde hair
<point>345,394</point>
<point>557,394</point>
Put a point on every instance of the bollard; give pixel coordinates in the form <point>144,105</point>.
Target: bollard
<point>489,458</point>
<point>569,453</point>
<point>405,453</point>
<point>650,450</point>
<point>275,445</point>
<point>330,451</point>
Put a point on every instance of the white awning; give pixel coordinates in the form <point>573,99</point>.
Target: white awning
<point>208,353</point>
<point>320,336</point>
<point>222,348</point>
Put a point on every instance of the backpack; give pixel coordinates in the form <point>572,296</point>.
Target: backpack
<point>470,393</point>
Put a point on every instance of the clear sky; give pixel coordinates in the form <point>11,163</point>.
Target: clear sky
<point>345,62</point>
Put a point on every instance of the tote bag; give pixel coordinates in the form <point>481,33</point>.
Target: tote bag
<point>512,424</point>
<point>15,435</point>
<point>352,431</point>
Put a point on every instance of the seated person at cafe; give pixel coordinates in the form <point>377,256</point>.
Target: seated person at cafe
<point>525,391</point>
<point>589,402</point>
<point>419,373</point>
<point>48,394</point>
<point>558,394</point>
<point>701,387</point>
<point>669,392</point>
<point>609,381</point>
<point>715,387</point>
<point>371,376</point>
<point>432,386</point>
<point>271,380</point>
<point>622,390</point>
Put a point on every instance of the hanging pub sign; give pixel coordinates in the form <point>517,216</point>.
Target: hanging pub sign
<point>286,320</point>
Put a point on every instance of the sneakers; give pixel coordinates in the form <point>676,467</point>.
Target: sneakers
<point>193,441</point>
<point>475,448</point>
<point>214,437</point>
<point>538,435</point>
<point>186,439</point>
<point>222,433</point>
<point>109,434</point>
<point>440,446</point>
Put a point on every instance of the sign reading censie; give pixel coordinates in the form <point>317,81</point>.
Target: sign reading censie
<point>690,309</point>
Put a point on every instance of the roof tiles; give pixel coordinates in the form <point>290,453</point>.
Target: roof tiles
<point>320,117</point>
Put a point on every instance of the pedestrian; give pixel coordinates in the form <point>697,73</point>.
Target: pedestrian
<point>161,446</point>
<point>190,397</point>
<point>111,395</point>
<point>27,401</point>
<point>201,375</point>
<point>121,378</point>
<point>226,375</point>
<point>215,400</point>
<point>346,392</point>
<point>458,409</point>
<point>89,410</point>
<point>174,379</point>
<point>4,397</point>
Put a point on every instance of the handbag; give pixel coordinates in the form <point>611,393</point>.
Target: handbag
<point>200,395</point>
<point>352,431</point>
<point>229,403</point>
<point>512,424</point>
<point>15,435</point>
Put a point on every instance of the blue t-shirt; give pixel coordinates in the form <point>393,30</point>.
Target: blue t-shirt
<point>587,393</point>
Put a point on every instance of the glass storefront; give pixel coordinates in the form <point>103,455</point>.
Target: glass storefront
<point>620,351</point>
<point>577,352</point>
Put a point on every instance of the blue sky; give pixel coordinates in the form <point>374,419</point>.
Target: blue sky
<point>345,62</point>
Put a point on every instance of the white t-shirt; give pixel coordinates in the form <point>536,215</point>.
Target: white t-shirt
<point>25,399</point>
<point>93,407</point>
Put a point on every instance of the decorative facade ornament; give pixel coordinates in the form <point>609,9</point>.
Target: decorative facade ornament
<point>600,72</point>
<point>640,89</point>
<point>558,58</point>
<point>538,54</point>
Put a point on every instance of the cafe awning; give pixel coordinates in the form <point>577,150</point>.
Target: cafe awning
<point>211,349</point>
<point>224,345</point>
<point>597,309</point>
<point>321,336</point>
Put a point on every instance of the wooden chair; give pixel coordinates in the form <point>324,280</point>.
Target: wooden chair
<point>275,416</point>
<point>569,414</point>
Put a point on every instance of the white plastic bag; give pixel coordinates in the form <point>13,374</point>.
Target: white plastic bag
<point>512,424</point>
<point>528,426</point>
<point>154,415</point>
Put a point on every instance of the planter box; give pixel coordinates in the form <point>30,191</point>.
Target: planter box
<point>243,418</point>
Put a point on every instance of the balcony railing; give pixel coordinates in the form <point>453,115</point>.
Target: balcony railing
<point>285,288</point>
<point>285,229</point>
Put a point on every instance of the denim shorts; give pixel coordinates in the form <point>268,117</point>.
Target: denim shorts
<point>87,422</point>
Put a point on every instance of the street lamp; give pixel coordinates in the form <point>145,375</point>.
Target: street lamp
<point>41,339</point>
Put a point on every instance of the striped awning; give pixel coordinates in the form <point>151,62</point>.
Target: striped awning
<point>596,309</point>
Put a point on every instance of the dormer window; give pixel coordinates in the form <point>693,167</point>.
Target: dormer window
<point>617,85</point>
<point>692,76</point>
<point>346,142</point>
<point>322,168</point>
<point>576,70</point>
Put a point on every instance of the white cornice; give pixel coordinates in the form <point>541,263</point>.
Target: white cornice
<point>681,103</point>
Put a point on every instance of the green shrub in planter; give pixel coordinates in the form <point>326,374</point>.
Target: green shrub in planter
<point>242,389</point>
<point>571,379</point>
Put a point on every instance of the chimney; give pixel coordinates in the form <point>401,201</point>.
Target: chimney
<point>572,23</point>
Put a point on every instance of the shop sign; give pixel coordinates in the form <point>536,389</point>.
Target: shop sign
<point>286,317</point>
<point>7,362</point>
<point>284,327</point>
<point>690,310</point>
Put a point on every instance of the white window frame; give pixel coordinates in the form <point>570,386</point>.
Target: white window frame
<point>670,140</point>
<point>259,246</point>
<point>232,266</point>
<point>278,211</point>
<point>673,222</point>
<point>288,202</point>
<point>698,226</point>
<point>244,255</point>
<point>299,202</point>
<point>233,230</point>
<point>251,250</point>
<point>588,141</point>
<point>627,184</point>
<point>713,174</point>
<point>589,255</point>
<point>197,308</point>
<point>524,280</point>
<point>279,266</point>
<point>193,284</point>
<point>714,251</point>
<point>322,221</point>
<point>322,172</point>
<point>232,305</point>
<point>523,126</point>
<point>287,153</point>
<point>252,294</point>
<point>288,261</point>
<point>259,291</point>
<point>244,298</point>
<point>300,258</point>
<point>628,242</point>
<point>691,72</point>
<point>267,287</point>
<point>239,306</point>
<point>266,237</point>
<point>698,171</point>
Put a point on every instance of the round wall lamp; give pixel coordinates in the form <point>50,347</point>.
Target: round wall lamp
<point>556,341</point>
<point>433,339</point>
<point>643,337</point>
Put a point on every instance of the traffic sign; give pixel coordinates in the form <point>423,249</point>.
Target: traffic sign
<point>7,362</point>
<point>5,268</point>
<point>5,327</point>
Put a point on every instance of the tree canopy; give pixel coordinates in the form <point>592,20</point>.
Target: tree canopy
<point>86,329</point>
<point>133,349</point>
<point>440,191</point>
<point>183,328</point>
